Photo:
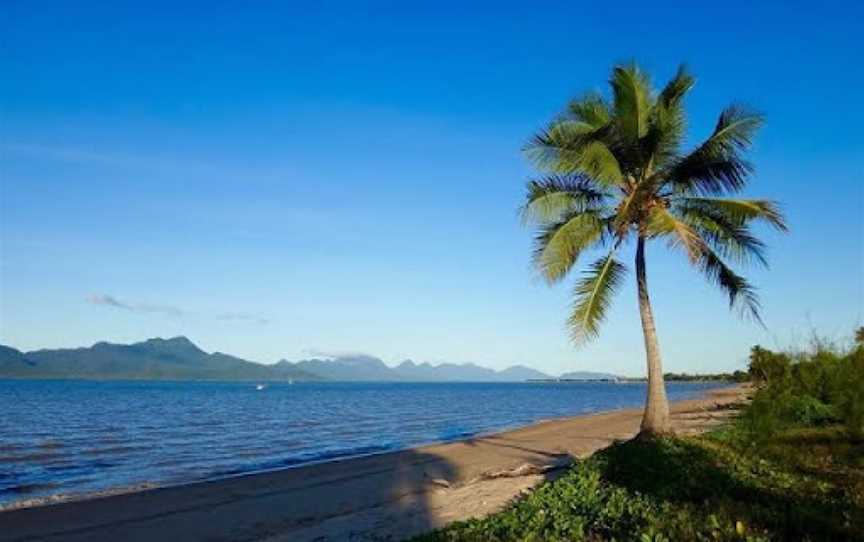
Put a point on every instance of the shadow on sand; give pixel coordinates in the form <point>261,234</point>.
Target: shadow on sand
<point>382,497</point>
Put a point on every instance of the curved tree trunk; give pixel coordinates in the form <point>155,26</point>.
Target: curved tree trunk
<point>656,418</point>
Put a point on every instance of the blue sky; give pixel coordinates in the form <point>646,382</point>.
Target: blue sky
<point>281,180</point>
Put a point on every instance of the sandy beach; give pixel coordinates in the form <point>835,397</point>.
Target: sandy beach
<point>384,497</point>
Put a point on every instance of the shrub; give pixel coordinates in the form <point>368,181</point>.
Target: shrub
<point>768,366</point>
<point>847,392</point>
<point>813,388</point>
<point>807,410</point>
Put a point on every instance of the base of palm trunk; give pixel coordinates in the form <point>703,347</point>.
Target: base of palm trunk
<point>655,419</point>
<point>652,434</point>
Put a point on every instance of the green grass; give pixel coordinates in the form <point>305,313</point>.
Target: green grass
<point>801,484</point>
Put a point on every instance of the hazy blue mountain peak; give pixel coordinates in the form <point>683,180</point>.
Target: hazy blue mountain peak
<point>360,360</point>
<point>173,342</point>
<point>176,358</point>
<point>13,358</point>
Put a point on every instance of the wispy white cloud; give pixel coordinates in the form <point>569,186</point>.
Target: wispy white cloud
<point>98,157</point>
<point>110,301</point>
<point>242,317</point>
<point>334,354</point>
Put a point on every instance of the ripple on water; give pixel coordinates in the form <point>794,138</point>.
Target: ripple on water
<point>112,450</point>
<point>34,457</point>
<point>27,489</point>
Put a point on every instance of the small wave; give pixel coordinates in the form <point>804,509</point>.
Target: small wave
<point>254,452</point>
<point>112,450</point>
<point>74,496</point>
<point>7,448</point>
<point>337,453</point>
<point>73,466</point>
<point>24,489</point>
<point>108,429</point>
<point>304,458</point>
<point>33,457</point>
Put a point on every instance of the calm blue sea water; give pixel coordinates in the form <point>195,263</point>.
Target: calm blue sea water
<point>71,437</point>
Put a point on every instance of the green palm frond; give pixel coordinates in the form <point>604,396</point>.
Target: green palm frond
<point>558,146</point>
<point>674,91</point>
<point>740,211</point>
<point>741,293</point>
<point>554,196</point>
<point>717,165</point>
<point>664,136</point>
<point>568,146</point>
<point>668,121</point>
<point>632,100</point>
<point>593,295</point>
<point>598,162</point>
<point>662,223</point>
<point>728,237</point>
<point>591,109</point>
<point>558,246</point>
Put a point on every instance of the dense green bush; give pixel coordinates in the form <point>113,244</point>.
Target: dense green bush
<point>767,366</point>
<point>847,391</point>
<point>808,410</point>
<point>822,386</point>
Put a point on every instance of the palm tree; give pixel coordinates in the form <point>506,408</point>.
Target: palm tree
<point>615,173</point>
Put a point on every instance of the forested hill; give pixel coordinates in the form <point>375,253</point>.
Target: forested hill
<point>155,359</point>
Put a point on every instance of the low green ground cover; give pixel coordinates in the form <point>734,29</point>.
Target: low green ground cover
<point>791,467</point>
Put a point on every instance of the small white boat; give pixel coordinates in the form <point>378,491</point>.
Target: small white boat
<point>260,387</point>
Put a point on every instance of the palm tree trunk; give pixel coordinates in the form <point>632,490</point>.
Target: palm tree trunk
<point>656,417</point>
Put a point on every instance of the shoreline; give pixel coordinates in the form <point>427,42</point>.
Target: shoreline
<point>382,495</point>
<point>149,485</point>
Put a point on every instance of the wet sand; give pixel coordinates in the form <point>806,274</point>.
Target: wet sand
<point>384,497</point>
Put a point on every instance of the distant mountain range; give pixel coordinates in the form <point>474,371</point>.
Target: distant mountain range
<point>369,368</point>
<point>180,359</point>
<point>154,359</point>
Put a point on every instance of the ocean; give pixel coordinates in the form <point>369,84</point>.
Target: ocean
<point>72,438</point>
